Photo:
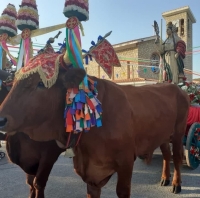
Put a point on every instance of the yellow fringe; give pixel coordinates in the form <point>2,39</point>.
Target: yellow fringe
<point>81,28</point>
<point>19,75</point>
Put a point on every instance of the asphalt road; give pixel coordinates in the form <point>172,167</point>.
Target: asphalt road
<point>63,182</point>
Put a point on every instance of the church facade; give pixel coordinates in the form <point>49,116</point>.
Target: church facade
<point>139,58</point>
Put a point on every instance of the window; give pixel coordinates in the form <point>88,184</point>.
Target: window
<point>182,27</point>
<point>155,60</point>
<point>128,70</point>
<point>188,27</point>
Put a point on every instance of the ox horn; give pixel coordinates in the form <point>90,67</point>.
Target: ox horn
<point>4,75</point>
<point>66,58</point>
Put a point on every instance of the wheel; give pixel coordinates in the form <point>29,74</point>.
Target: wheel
<point>192,148</point>
<point>2,155</point>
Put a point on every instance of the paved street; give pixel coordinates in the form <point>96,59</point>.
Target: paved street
<point>63,182</point>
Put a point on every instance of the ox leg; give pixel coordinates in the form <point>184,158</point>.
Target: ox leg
<point>177,159</point>
<point>178,155</point>
<point>124,179</point>
<point>93,191</point>
<point>41,180</point>
<point>42,175</point>
<point>29,181</point>
<point>165,149</point>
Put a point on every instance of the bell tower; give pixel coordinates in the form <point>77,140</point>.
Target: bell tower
<point>184,19</point>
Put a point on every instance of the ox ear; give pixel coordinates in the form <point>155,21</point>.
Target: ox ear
<point>74,77</point>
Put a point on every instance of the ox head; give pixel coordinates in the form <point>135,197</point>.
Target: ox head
<point>31,106</point>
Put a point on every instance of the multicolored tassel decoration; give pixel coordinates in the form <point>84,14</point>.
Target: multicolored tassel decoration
<point>83,109</point>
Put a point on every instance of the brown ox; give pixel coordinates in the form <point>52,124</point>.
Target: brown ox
<point>32,157</point>
<point>113,147</point>
<point>38,154</point>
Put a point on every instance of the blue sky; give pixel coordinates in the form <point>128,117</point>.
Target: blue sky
<point>128,20</point>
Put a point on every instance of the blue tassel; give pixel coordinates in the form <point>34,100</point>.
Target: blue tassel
<point>99,123</point>
<point>86,60</point>
<point>77,97</point>
<point>93,43</point>
<point>73,105</point>
<point>92,119</point>
<point>88,123</point>
<point>82,96</point>
<point>99,38</point>
<point>84,51</point>
<point>99,109</point>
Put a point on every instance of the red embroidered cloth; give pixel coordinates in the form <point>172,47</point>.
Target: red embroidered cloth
<point>45,61</point>
<point>105,56</point>
<point>194,115</point>
<point>46,64</point>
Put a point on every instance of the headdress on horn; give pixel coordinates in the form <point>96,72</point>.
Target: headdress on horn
<point>27,20</point>
<point>7,30</point>
<point>78,8</point>
<point>7,21</point>
<point>28,15</point>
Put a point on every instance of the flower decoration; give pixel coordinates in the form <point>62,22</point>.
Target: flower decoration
<point>192,90</point>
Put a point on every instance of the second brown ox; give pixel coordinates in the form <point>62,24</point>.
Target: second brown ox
<point>160,109</point>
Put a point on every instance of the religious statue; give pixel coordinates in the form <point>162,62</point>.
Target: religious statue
<point>172,51</point>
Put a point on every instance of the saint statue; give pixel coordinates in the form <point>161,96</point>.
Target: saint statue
<point>172,51</point>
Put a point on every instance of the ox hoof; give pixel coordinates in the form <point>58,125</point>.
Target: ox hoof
<point>164,182</point>
<point>176,189</point>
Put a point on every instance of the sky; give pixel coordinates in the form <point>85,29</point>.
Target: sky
<point>127,19</point>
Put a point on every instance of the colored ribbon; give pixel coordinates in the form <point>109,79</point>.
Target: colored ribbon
<point>68,49</point>
<point>21,55</point>
<point>26,50</point>
<point>5,47</point>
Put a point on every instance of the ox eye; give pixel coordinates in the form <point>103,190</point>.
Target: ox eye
<point>40,85</point>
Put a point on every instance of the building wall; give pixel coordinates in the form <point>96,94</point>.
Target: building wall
<point>186,37</point>
<point>145,51</point>
<point>138,67</point>
<point>128,68</point>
